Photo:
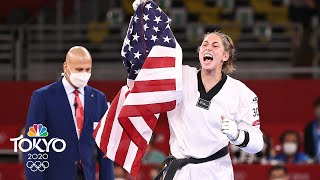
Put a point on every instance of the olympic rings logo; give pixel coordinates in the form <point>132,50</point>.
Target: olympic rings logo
<point>37,165</point>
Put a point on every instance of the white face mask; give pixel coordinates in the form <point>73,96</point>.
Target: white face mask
<point>79,79</point>
<point>290,148</point>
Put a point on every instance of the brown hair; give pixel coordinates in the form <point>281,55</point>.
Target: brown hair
<point>228,66</point>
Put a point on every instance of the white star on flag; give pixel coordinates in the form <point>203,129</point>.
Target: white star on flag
<point>146,17</point>
<point>166,39</point>
<point>135,37</point>
<point>145,26</point>
<point>154,38</point>
<point>156,29</point>
<point>135,18</point>
<point>137,55</point>
<point>123,53</point>
<point>137,71</point>
<point>129,47</point>
<point>148,6</point>
<point>126,41</point>
<point>168,21</point>
<point>131,29</point>
<point>157,19</point>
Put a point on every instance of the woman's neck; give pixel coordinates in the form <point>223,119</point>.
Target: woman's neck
<point>210,78</point>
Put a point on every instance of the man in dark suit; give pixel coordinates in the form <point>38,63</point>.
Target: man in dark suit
<point>312,134</point>
<point>69,109</point>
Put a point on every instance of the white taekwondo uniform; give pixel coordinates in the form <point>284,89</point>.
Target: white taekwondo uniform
<point>196,132</point>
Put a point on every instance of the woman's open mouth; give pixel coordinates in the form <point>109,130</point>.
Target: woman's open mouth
<point>207,58</point>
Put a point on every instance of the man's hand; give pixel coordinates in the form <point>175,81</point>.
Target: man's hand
<point>229,128</point>
<point>136,3</point>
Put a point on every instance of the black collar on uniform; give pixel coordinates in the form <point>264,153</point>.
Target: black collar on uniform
<point>213,91</point>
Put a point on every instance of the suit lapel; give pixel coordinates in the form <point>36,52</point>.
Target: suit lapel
<point>65,105</point>
<point>88,106</point>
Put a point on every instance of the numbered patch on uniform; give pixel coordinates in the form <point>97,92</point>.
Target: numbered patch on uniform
<point>255,100</point>
<point>204,104</point>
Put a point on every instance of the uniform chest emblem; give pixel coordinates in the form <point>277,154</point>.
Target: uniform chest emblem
<point>202,103</point>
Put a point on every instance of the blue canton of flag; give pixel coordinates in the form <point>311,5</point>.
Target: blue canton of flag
<point>149,26</point>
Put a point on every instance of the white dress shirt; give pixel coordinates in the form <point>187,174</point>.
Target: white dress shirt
<point>71,96</point>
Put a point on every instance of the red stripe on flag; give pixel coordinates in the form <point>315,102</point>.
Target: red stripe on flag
<point>154,85</point>
<point>123,148</point>
<point>151,121</point>
<point>146,109</point>
<point>132,132</point>
<point>109,123</point>
<point>159,62</point>
<point>135,168</point>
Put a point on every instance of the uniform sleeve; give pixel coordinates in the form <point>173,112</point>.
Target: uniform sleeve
<point>247,117</point>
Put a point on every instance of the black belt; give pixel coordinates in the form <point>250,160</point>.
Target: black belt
<point>173,164</point>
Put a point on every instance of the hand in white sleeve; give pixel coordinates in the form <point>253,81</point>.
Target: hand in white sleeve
<point>136,3</point>
<point>229,128</point>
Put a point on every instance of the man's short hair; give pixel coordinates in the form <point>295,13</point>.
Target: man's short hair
<point>278,167</point>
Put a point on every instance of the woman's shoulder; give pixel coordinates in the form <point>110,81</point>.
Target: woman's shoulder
<point>236,82</point>
<point>239,86</point>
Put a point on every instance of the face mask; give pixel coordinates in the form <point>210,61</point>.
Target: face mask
<point>290,148</point>
<point>79,79</point>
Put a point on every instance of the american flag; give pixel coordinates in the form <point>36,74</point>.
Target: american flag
<point>153,59</point>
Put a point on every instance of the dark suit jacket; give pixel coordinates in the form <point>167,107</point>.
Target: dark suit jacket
<point>50,106</point>
<point>308,140</point>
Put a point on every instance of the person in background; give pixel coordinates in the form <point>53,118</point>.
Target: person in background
<point>301,13</point>
<point>154,171</point>
<point>312,134</point>
<point>290,145</point>
<point>152,155</point>
<point>278,172</point>
<point>119,172</point>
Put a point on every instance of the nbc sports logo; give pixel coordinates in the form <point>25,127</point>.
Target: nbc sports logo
<point>38,130</point>
<point>39,145</point>
<point>38,133</point>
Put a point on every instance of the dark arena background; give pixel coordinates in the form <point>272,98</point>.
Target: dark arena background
<point>278,57</point>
